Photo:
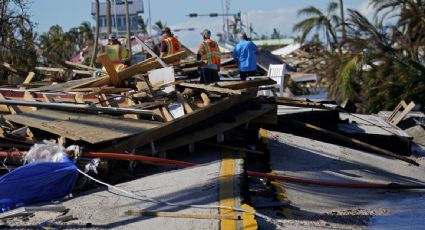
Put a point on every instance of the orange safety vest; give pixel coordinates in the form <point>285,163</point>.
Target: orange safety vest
<point>210,51</point>
<point>173,46</point>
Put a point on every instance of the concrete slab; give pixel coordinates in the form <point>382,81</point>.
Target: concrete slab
<point>306,158</point>
<point>198,185</point>
<point>369,124</point>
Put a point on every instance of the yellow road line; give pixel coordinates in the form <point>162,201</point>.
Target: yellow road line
<point>227,174</point>
<point>248,219</point>
<point>278,185</point>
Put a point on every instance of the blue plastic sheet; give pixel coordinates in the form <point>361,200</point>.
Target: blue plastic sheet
<point>37,182</point>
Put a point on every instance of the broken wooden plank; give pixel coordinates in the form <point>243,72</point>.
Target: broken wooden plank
<point>239,149</point>
<point>181,215</point>
<point>10,68</point>
<point>245,84</point>
<point>113,75</point>
<point>145,47</point>
<point>182,100</point>
<point>211,88</point>
<point>63,71</point>
<point>77,108</point>
<point>166,114</point>
<point>28,79</point>
<point>205,99</point>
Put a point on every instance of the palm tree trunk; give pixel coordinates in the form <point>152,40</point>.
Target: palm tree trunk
<point>341,10</point>
<point>96,39</point>
<point>127,24</point>
<point>108,18</point>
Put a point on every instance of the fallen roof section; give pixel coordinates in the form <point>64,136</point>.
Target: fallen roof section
<point>93,129</point>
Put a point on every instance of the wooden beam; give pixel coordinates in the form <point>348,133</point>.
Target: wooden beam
<point>10,68</point>
<point>113,75</point>
<point>206,99</point>
<point>166,114</point>
<point>63,71</point>
<point>232,148</point>
<point>28,79</point>
<point>174,57</point>
<point>245,84</point>
<point>211,88</point>
<point>181,215</point>
<point>182,100</point>
<point>145,47</point>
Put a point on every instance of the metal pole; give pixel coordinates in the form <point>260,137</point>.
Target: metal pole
<point>150,18</point>
<point>77,108</point>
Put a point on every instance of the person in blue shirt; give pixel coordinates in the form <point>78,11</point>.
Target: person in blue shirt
<point>244,53</point>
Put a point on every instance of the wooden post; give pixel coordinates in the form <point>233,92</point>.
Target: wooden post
<point>113,75</point>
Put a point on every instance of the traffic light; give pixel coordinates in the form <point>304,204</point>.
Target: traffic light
<point>213,15</point>
<point>193,15</point>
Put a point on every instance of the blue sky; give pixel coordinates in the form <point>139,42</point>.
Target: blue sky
<point>263,14</point>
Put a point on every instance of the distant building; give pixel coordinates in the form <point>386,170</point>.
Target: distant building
<point>118,19</point>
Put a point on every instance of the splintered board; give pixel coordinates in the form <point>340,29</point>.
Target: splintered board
<point>93,129</point>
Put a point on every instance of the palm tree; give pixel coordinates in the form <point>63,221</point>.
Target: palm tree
<point>96,40</point>
<point>142,25</point>
<point>108,18</point>
<point>391,75</point>
<point>159,26</point>
<point>127,24</point>
<point>57,42</point>
<point>411,23</point>
<point>318,20</point>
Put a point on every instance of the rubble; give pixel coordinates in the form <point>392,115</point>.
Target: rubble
<point>176,153</point>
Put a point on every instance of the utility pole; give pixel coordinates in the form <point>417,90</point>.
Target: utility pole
<point>96,40</point>
<point>127,24</point>
<point>150,18</point>
<point>108,18</point>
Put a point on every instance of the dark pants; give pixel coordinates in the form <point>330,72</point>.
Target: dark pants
<point>245,74</point>
<point>209,75</point>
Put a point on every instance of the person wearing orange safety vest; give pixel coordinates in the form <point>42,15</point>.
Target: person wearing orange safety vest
<point>169,45</point>
<point>209,51</point>
<point>116,52</point>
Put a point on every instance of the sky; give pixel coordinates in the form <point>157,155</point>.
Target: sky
<point>264,15</point>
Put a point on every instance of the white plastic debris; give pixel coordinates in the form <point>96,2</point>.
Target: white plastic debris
<point>47,151</point>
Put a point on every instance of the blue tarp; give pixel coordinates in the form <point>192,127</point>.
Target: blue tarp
<point>37,182</point>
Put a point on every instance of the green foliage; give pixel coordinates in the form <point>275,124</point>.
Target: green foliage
<point>377,68</point>
<point>16,34</point>
<point>65,44</point>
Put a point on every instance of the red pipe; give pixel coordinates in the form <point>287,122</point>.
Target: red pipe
<point>11,154</point>
<point>117,156</point>
<point>334,184</point>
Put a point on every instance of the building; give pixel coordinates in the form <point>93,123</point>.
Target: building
<point>118,19</point>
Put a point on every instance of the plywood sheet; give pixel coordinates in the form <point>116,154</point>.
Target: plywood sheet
<point>93,129</point>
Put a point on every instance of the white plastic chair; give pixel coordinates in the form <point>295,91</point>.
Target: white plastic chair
<point>277,73</point>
